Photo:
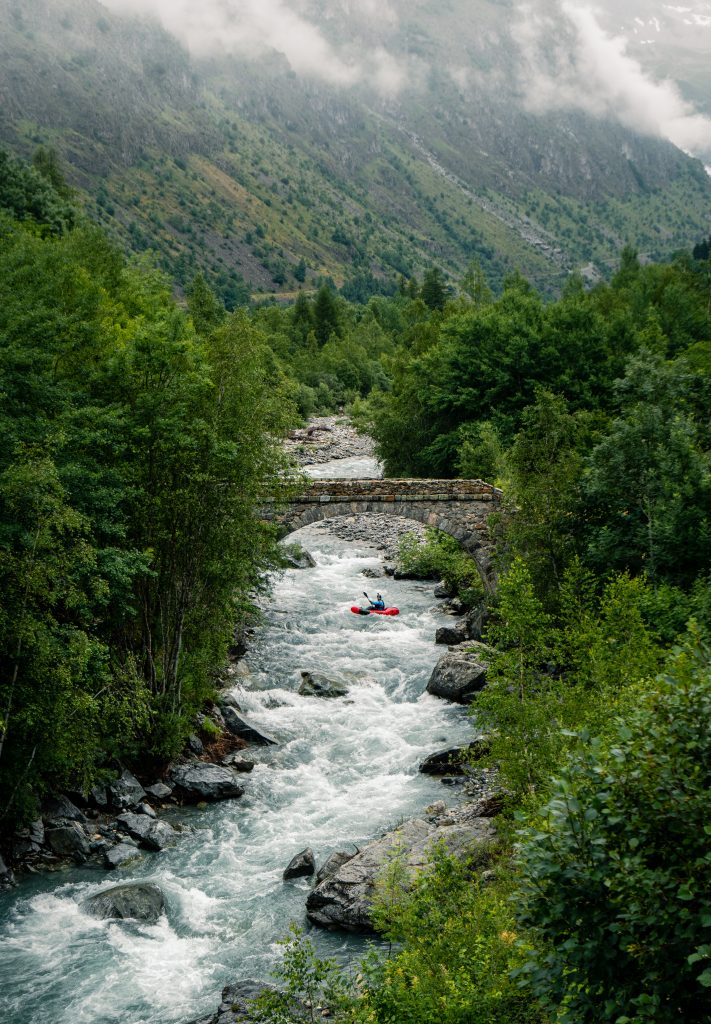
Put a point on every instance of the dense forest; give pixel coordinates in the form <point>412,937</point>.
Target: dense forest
<point>142,429</point>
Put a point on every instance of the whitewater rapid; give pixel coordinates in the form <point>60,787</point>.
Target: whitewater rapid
<point>344,770</point>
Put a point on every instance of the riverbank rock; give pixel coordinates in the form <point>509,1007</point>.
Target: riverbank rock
<point>239,763</point>
<point>301,866</point>
<point>453,761</point>
<point>333,862</point>
<point>314,684</point>
<point>296,557</point>
<point>159,792</point>
<point>196,781</point>
<point>450,636</point>
<point>239,725</point>
<point>125,792</point>
<point>138,902</point>
<point>120,856</point>
<point>458,676</point>
<point>147,831</point>
<point>345,899</point>
<point>69,840</point>
<point>236,1006</point>
<point>60,809</point>
<point>7,878</point>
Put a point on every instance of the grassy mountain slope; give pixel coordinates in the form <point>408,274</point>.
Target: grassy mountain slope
<point>242,169</point>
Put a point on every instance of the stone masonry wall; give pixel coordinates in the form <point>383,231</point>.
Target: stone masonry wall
<point>460,508</point>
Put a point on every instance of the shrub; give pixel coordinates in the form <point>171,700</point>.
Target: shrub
<point>440,557</point>
<point>615,876</point>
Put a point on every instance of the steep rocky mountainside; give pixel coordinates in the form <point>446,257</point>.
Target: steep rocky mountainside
<point>241,167</point>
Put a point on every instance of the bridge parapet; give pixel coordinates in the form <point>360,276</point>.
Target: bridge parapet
<point>460,508</point>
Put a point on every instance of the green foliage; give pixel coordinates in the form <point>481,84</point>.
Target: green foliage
<point>28,195</point>
<point>459,950</point>
<point>614,877</point>
<point>552,676</point>
<point>309,985</point>
<point>136,456</point>
<point>440,557</point>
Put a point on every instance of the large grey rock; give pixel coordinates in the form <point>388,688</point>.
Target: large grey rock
<point>453,760</point>
<point>345,899</point>
<point>160,835</point>
<point>458,676</point>
<point>137,901</point>
<point>137,825</point>
<point>69,840</point>
<point>125,792</point>
<point>450,636</point>
<point>315,684</point>
<point>239,725</point>
<point>301,866</point>
<point>121,855</point>
<point>198,781</point>
<point>476,621</point>
<point>159,791</point>
<point>333,862</point>
<point>61,808</point>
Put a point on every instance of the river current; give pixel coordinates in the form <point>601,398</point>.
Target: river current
<point>344,770</point>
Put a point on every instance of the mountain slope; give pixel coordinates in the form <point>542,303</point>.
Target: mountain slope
<point>240,167</point>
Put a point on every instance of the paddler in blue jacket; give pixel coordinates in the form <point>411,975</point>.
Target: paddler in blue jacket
<point>378,603</point>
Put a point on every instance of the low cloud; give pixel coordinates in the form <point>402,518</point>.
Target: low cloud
<point>254,27</point>
<point>570,62</point>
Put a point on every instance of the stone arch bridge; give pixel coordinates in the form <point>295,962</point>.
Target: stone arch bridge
<point>460,508</point>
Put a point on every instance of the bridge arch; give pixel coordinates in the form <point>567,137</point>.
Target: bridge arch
<point>460,508</point>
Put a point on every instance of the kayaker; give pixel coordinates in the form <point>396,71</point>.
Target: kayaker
<point>378,603</point>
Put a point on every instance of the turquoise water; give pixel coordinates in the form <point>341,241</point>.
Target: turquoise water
<point>344,770</point>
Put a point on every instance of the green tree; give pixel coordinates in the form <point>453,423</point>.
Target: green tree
<point>434,290</point>
<point>614,877</point>
<point>326,316</point>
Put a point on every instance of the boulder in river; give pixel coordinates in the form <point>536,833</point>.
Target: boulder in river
<point>301,866</point>
<point>142,901</point>
<point>239,725</point>
<point>315,684</point>
<point>196,781</point>
<point>345,899</point>
<point>458,676</point>
<point>296,557</point>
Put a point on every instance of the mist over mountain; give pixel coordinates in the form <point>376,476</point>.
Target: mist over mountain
<point>274,142</point>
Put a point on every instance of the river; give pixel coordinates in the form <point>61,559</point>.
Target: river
<point>344,770</point>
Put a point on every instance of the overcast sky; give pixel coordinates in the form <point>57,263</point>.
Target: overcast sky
<point>590,68</point>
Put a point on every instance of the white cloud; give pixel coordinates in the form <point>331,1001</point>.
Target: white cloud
<point>569,61</point>
<point>253,27</point>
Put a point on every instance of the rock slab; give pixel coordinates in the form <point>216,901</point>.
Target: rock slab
<point>345,899</point>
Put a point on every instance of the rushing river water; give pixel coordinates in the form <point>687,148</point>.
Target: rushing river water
<point>344,770</point>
